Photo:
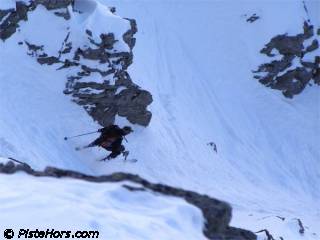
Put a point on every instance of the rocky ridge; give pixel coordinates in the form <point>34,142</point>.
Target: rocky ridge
<point>217,213</point>
<point>114,94</point>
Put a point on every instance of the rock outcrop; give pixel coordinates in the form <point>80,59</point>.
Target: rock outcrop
<point>114,94</point>
<point>217,213</point>
<point>298,66</point>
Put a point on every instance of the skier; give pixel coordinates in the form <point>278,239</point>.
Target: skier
<point>111,139</point>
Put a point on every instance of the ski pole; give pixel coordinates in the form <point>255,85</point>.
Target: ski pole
<point>66,138</point>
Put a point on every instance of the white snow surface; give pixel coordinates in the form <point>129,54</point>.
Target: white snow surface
<point>109,208</point>
<point>196,58</point>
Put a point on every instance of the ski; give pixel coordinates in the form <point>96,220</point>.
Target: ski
<point>131,160</point>
<point>81,148</point>
<point>103,159</point>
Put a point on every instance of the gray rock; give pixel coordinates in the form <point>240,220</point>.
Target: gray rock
<point>113,9</point>
<point>68,64</point>
<point>286,45</point>
<point>131,103</point>
<point>314,45</point>
<point>9,26</point>
<point>128,36</point>
<point>308,30</point>
<point>277,74</point>
<point>4,13</point>
<point>89,32</point>
<point>48,60</point>
<point>65,14</point>
<point>316,70</point>
<point>54,4</point>
<point>292,82</point>
<point>33,47</point>
<point>253,18</point>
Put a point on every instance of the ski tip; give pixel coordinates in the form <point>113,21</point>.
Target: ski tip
<point>131,160</point>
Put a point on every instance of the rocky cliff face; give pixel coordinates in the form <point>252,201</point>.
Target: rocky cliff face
<point>217,213</point>
<point>97,76</point>
<point>298,65</point>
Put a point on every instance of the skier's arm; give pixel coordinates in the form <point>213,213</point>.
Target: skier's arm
<point>103,130</point>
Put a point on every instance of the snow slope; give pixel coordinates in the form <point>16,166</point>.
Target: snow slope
<point>196,58</point>
<point>109,208</point>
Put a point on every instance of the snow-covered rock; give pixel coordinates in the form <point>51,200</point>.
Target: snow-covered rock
<point>88,40</point>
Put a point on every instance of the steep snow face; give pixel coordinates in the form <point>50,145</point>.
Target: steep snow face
<point>33,95</point>
<point>196,58</point>
<point>35,114</point>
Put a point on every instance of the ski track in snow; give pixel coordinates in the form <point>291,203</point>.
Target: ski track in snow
<point>196,58</point>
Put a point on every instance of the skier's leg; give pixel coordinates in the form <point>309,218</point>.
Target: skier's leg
<point>113,155</point>
<point>93,144</point>
<point>125,154</point>
<point>116,149</point>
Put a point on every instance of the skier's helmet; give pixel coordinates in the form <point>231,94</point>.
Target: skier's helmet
<point>127,130</point>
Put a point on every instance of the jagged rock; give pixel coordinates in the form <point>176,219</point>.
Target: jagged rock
<point>91,54</point>
<point>123,79</point>
<point>102,106</point>
<point>48,60</point>
<point>54,4</point>
<point>275,67</point>
<point>132,104</point>
<point>91,70</point>
<point>314,45</point>
<point>128,36</point>
<point>286,45</point>
<point>67,49</point>
<point>89,32</point>
<point>4,13</point>
<point>253,18</point>
<point>65,14</point>
<point>33,47</point>
<point>277,74</point>
<point>107,41</point>
<point>113,9</point>
<point>301,227</point>
<point>292,82</point>
<point>268,234</point>
<point>307,30</point>
<point>68,64</point>
<point>316,76</point>
<point>10,24</point>
<point>217,213</point>
<point>310,65</point>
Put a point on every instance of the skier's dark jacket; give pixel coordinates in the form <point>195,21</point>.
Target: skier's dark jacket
<point>110,135</point>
